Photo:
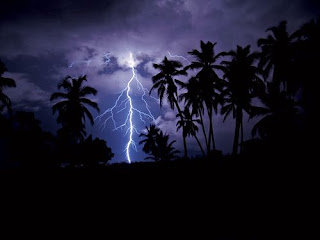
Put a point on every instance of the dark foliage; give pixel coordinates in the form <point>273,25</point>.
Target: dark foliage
<point>5,101</point>
<point>25,144</point>
<point>72,109</point>
<point>157,145</point>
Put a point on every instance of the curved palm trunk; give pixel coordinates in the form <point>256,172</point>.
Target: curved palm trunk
<point>275,78</point>
<point>183,130</point>
<point>203,129</point>
<point>237,131</point>
<point>241,128</point>
<point>211,138</point>
<point>201,148</point>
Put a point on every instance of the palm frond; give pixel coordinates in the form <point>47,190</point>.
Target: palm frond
<point>5,99</point>
<point>87,91</point>
<point>90,103</point>
<point>57,95</point>
<point>6,83</point>
<point>180,83</point>
<point>89,115</point>
<point>157,77</point>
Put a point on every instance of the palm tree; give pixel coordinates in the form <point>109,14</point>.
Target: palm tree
<point>165,82</point>
<point>307,63</point>
<point>189,124</point>
<point>209,82</point>
<point>72,109</point>
<point>192,98</point>
<point>243,85</point>
<point>278,114</point>
<point>277,53</point>
<point>165,150</point>
<point>150,139</point>
<point>5,101</point>
<point>156,144</point>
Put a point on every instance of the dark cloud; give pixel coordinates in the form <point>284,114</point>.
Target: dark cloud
<point>58,9</point>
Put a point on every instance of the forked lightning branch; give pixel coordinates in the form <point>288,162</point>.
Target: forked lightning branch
<point>125,103</point>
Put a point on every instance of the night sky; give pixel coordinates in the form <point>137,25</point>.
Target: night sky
<point>40,39</point>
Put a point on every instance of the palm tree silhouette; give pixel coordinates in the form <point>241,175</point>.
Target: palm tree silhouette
<point>189,125</point>
<point>243,84</point>
<point>5,101</point>
<point>156,144</point>
<point>310,32</point>
<point>72,108</point>
<point>307,63</point>
<point>164,150</point>
<point>209,82</point>
<point>192,98</point>
<point>277,53</point>
<point>165,82</point>
<point>278,113</point>
<point>150,139</point>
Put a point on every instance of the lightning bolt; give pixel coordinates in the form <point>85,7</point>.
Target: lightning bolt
<point>86,62</point>
<point>105,60</point>
<point>125,102</point>
<point>178,56</point>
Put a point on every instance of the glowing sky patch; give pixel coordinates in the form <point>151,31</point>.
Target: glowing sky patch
<point>125,102</point>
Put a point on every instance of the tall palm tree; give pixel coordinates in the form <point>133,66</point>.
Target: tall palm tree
<point>192,98</point>
<point>209,82</point>
<point>5,101</point>
<point>72,110</point>
<point>243,84</point>
<point>277,53</point>
<point>189,124</point>
<point>149,140</point>
<point>166,83</point>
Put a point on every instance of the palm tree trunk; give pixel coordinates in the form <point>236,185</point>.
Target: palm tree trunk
<point>275,78</point>
<point>203,130</point>
<point>183,130</point>
<point>195,136</point>
<point>241,129</point>
<point>211,138</point>
<point>236,134</point>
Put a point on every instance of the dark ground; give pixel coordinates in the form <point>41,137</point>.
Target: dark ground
<point>219,199</point>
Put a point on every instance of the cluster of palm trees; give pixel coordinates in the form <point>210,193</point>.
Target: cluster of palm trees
<point>156,144</point>
<point>72,108</point>
<point>27,145</point>
<point>274,77</point>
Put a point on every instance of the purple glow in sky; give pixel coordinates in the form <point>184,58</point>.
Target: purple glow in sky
<point>40,39</point>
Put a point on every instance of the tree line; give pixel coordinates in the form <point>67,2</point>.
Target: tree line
<point>276,84</point>
<point>25,144</point>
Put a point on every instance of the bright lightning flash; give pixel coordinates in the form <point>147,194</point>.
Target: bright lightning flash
<point>125,102</point>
